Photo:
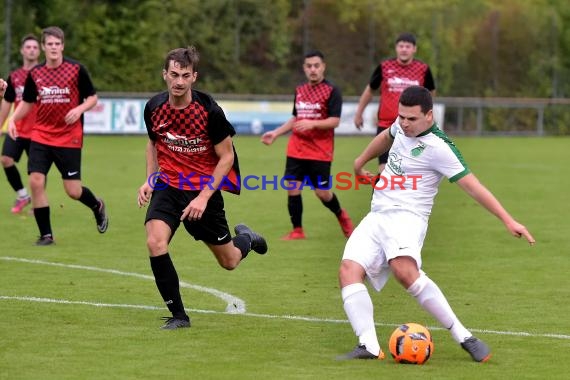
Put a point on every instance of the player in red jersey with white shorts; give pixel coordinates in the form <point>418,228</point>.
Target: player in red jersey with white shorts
<point>316,113</point>
<point>62,91</point>
<point>12,149</point>
<point>389,79</point>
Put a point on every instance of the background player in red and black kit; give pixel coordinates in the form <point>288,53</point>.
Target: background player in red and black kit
<point>189,157</point>
<point>390,78</point>
<point>62,91</point>
<point>316,113</point>
<point>12,149</point>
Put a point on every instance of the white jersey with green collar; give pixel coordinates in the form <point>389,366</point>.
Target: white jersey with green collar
<point>415,167</point>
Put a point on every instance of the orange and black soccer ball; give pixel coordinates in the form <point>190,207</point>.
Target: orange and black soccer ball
<point>411,343</point>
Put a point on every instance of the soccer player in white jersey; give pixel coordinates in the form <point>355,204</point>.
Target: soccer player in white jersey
<point>390,238</point>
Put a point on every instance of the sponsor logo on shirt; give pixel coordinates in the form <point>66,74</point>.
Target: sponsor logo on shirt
<point>181,144</point>
<point>397,84</point>
<point>54,94</point>
<point>395,163</point>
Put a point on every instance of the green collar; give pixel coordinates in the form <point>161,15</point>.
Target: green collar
<point>429,130</point>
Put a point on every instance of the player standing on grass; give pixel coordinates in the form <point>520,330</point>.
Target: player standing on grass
<point>390,238</point>
<point>12,149</point>
<point>316,113</point>
<point>189,139</point>
<point>390,78</point>
<point>62,91</point>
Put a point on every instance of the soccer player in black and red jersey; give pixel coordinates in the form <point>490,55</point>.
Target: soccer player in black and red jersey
<point>390,78</point>
<point>62,91</point>
<point>12,149</point>
<point>316,113</point>
<point>191,153</point>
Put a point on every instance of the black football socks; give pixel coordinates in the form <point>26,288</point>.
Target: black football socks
<point>88,199</point>
<point>13,176</point>
<point>333,205</point>
<point>43,221</point>
<point>168,284</point>
<point>243,243</point>
<point>295,206</point>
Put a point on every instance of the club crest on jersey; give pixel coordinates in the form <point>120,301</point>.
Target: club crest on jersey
<point>395,163</point>
<point>418,149</point>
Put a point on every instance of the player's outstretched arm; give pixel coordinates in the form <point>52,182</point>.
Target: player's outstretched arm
<point>471,185</point>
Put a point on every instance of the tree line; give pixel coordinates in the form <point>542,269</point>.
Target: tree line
<point>508,48</point>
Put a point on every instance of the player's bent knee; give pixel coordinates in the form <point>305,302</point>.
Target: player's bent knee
<point>73,194</point>
<point>37,182</point>
<point>228,263</point>
<point>350,272</point>
<point>405,270</point>
<point>7,161</point>
<point>156,247</point>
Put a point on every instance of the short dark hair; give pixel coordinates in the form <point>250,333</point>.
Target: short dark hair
<point>29,37</point>
<point>185,57</point>
<point>53,31</point>
<point>314,53</point>
<point>417,96</point>
<point>406,37</point>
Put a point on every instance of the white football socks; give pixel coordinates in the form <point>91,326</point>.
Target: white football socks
<point>430,297</point>
<point>360,312</point>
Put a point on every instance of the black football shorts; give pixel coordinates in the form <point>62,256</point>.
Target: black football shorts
<point>167,205</point>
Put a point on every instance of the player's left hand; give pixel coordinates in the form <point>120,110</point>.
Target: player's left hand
<point>518,230</point>
<point>12,130</point>
<point>303,125</point>
<point>195,209</point>
<point>72,116</point>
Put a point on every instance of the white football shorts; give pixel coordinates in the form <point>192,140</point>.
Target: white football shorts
<point>381,237</point>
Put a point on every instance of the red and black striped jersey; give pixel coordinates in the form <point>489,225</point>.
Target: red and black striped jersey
<point>56,91</point>
<point>185,140</point>
<point>393,78</point>
<point>315,102</point>
<point>16,81</point>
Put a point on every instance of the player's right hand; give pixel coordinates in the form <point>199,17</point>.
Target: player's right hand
<point>268,137</point>
<point>358,121</point>
<point>3,86</point>
<point>145,192</point>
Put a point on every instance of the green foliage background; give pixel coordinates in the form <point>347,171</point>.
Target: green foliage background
<point>476,48</point>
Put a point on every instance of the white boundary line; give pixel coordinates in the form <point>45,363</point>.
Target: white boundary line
<point>232,308</point>
<point>233,304</point>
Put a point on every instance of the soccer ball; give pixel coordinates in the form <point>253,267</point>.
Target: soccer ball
<point>411,343</point>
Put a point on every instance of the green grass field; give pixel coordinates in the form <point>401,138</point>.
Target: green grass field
<point>87,307</point>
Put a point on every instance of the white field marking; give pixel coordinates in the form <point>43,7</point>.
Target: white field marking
<point>233,304</point>
<point>232,307</point>
<point>270,316</point>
